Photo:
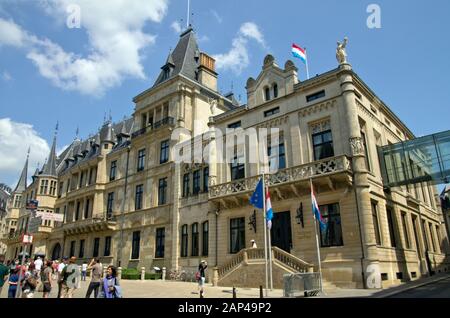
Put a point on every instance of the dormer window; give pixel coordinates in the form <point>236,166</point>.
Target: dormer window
<point>166,73</point>
<point>275,90</point>
<point>267,93</point>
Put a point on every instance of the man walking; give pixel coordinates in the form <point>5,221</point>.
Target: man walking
<point>70,278</point>
<point>60,278</point>
<point>96,277</point>
<point>4,271</point>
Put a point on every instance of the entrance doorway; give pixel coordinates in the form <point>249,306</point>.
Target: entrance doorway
<point>281,234</point>
<point>56,254</point>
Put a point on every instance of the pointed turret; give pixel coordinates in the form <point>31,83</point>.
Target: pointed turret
<point>50,167</point>
<point>22,184</point>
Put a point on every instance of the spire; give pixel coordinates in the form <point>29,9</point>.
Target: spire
<point>22,184</point>
<point>50,167</point>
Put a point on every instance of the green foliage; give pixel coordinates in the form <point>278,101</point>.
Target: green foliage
<point>134,274</point>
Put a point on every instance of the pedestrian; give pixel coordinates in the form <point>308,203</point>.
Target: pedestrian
<point>110,287</point>
<point>4,271</point>
<point>46,279</point>
<point>13,282</point>
<point>201,277</point>
<point>70,278</point>
<point>96,277</point>
<point>29,282</point>
<point>83,271</point>
<point>38,265</point>
<point>253,243</point>
<point>60,269</point>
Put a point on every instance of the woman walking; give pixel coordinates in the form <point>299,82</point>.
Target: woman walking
<point>201,277</point>
<point>110,287</point>
<point>46,279</point>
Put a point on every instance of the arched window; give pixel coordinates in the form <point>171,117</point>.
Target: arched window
<point>275,90</point>
<point>267,93</point>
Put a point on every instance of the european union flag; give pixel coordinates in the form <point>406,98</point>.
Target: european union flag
<point>257,199</point>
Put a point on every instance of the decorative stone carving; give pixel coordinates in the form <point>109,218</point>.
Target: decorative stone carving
<point>357,146</point>
<point>341,54</point>
<point>321,126</point>
<point>269,59</point>
<point>213,106</point>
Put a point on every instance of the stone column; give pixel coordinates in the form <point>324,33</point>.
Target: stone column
<point>355,148</point>
<point>215,279</point>
<point>119,273</point>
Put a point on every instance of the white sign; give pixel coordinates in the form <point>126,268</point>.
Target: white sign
<point>34,225</point>
<point>27,239</point>
<point>51,216</point>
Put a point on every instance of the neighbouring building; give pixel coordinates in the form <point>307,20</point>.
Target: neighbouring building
<point>126,200</point>
<point>5,193</point>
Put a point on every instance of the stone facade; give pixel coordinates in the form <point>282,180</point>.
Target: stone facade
<point>127,201</point>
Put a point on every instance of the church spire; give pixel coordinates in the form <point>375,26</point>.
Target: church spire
<point>22,184</point>
<point>50,167</point>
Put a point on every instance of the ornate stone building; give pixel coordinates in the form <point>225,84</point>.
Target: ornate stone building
<point>126,200</point>
<point>5,194</point>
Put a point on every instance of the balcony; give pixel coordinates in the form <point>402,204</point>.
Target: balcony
<point>323,168</point>
<point>168,121</point>
<point>94,224</point>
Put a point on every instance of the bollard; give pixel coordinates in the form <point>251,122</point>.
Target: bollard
<point>261,294</point>
<point>164,274</point>
<point>119,273</point>
<point>104,270</point>
<point>142,273</point>
<point>234,292</point>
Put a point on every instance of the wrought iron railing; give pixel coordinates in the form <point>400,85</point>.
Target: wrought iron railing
<point>163,122</point>
<point>303,172</point>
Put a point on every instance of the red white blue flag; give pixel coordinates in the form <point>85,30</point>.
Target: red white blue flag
<point>316,210</point>
<point>299,52</point>
<point>269,211</point>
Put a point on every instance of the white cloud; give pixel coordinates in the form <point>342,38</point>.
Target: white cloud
<point>15,138</point>
<point>238,57</point>
<point>11,34</point>
<point>217,16</point>
<point>6,76</point>
<point>176,27</point>
<point>116,39</point>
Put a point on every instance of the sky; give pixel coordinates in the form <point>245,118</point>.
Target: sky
<point>51,73</point>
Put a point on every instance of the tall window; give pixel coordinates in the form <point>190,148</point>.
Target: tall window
<point>110,204</point>
<point>141,160</point>
<point>77,211</point>
<point>80,184</point>
<point>138,197</point>
<point>277,160</point>
<point>275,90</point>
<point>162,191</point>
<point>72,248</point>
<point>332,234</point>
<point>164,153</point>
<point>205,179</point>
<point>433,238</point>
<point>184,241</point>
<point>186,185</point>
<point>237,235</point>
<point>205,238</point>
<point>160,236</point>
<point>366,150</point>
<point>439,239</point>
<point>60,189</point>
<point>237,167</point>
<point>112,171</point>
<point>96,247</point>
<point>196,185</point>
<point>107,250</point>
<point>405,230</point>
<point>44,187</point>
<point>86,208</point>
<point>52,188</point>
<point>376,224</point>
<point>267,93</point>
<point>391,227</point>
<point>323,145</point>
<point>136,245</point>
<point>194,251</point>
<point>81,252</point>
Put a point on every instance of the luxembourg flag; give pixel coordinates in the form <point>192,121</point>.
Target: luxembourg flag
<point>269,211</point>
<point>298,52</point>
<point>316,211</point>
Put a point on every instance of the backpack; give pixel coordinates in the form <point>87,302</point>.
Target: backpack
<point>32,281</point>
<point>198,276</point>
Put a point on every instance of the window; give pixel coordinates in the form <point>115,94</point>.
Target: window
<point>425,236</point>
<point>184,241</point>
<point>275,90</point>
<point>96,247</point>
<point>162,191</point>
<point>405,230</point>
<point>267,93</point>
<point>107,250</point>
<point>315,96</point>
<point>110,205</point>
<point>366,151</point>
<point>237,235</point>
<point>86,208</point>
<point>81,252</point>
<point>235,125</point>
<point>205,179</point>
<point>323,145</point>
<point>44,186</point>
<point>433,239</point>
<point>332,234</point>
<point>272,111</point>
<point>205,238</point>
<point>136,245</point>
<point>194,251</point>
<point>77,212</point>
<point>138,197</point>
<point>164,155</point>
<point>391,227</point>
<point>196,186</point>
<point>376,224</point>
<point>186,180</point>
<point>112,171</point>
<point>141,160</point>
<point>276,160</point>
<point>72,248</point>
<point>439,239</point>
<point>160,236</point>
<point>237,168</point>
<point>52,188</point>
<point>80,184</point>
<point>60,190</point>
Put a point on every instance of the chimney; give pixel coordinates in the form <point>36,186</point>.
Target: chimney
<point>207,75</point>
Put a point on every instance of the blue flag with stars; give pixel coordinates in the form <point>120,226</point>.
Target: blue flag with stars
<point>257,199</point>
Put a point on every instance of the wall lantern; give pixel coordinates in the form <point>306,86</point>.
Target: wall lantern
<point>252,221</point>
<point>299,215</point>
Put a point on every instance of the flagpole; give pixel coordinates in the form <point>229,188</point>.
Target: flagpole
<point>307,68</point>
<point>270,254</point>
<point>265,233</point>
<point>317,243</point>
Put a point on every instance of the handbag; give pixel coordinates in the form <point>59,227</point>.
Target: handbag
<point>117,290</point>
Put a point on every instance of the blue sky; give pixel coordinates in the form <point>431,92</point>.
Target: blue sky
<point>405,62</point>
